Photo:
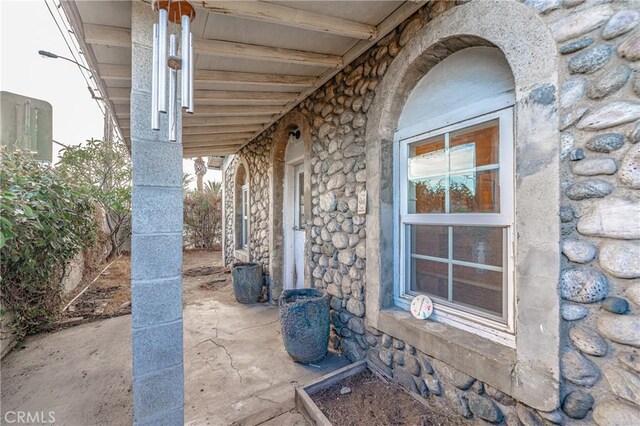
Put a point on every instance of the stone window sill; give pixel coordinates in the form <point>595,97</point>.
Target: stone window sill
<point>241,254</point>
<point>486,360</point>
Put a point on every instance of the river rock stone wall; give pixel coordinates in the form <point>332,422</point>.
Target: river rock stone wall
<point>599,46</point>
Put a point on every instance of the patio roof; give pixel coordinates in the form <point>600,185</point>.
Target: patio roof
<point>255,61</point>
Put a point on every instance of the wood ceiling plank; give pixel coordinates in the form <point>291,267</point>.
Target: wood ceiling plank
<point>240,95</point>
<point>208,121</point>
<point>212,151</point>
<point>121,37</point>
<point>213,130</point>
<point>122,110</point>
<point>123,72</point>
<point>190,145</point>
<point>107,35</point>
<point>231,49</point>
<point>208,76</point>
<point>288,16</point>
<point>216,138</point>
<point>236,110</point>
<point>407,9</point>
<point>122,96</point>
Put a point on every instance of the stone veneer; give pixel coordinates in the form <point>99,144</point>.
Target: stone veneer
<point>599,47</point>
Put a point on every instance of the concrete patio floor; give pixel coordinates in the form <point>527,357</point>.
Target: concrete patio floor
<point>236,368</point>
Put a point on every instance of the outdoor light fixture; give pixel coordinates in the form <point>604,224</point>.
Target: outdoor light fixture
<point>166,61</point>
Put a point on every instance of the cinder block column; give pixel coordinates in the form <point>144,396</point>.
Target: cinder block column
<point>156,245</point>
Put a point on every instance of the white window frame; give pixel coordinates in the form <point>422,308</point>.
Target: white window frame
<point>245,215</point>
<point>500,331</point>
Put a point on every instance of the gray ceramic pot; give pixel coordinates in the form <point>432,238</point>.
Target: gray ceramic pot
<point>247,282</point>
<point>304,318</point>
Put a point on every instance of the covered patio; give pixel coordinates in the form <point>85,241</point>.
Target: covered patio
<point>254,62</point>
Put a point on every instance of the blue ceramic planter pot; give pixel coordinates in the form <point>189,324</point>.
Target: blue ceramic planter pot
<point>304,318</point>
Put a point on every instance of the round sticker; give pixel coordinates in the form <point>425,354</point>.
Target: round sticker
<point>421,306</point>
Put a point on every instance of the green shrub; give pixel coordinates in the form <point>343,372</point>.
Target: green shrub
<point>46,221</point>
<point>203,219</point>
<point>104,169</point>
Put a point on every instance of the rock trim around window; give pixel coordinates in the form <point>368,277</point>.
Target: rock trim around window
<point>531,371</point>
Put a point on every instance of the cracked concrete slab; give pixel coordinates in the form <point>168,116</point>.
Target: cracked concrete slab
<point>239,349</point>
<point>236,368</point>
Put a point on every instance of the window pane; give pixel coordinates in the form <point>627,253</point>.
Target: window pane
<point>478,288</point>
<point>429,240</point>
<point>427,176</point>
<point>481,141</point>
<point>475,192</point>
<point>429,277</point>
<point>478,244</point>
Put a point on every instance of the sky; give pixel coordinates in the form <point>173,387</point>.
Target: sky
<point>26,27</point>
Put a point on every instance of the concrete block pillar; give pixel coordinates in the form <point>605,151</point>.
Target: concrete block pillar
<point>156,245</point>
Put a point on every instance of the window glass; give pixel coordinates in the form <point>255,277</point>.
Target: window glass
<point>457,172</point>
<point>427,174</point>
<point>478,288</point>
<point>460,260</point>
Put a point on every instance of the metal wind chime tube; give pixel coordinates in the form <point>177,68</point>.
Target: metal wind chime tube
<point>163,24</point>
<point>186,60</point>
<point>173,76</point>
<point>178,12</point>
<point>155,111</point>
<point>192,61</point>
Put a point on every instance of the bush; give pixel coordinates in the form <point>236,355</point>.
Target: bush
<point>104,168</point>
<point>46,221</point>
<point>203,219</point>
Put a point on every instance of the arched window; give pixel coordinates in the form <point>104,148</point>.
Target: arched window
<point>241,208</point>
<point>455,186</point>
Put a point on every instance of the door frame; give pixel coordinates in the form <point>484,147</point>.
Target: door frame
<point>288,223</point>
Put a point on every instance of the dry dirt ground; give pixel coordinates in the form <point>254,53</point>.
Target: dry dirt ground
<point>203,276</point>
<point>372,401</point>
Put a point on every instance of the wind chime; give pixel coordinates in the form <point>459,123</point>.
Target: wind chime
<point>166,61</point>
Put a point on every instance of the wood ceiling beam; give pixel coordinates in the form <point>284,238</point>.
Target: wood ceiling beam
<point>107,35</point>
<point>209,121</point>
<point>214,151</point>
<point>121,95</point>
<point>191,121</point>
<point>121,37</point>
<point>231,49</point>
<point>282,15</point>
<point>236,110</point>
<point>122,110</point>
<point>216,138</point>
<point>190,145</point>
<point>208,76</point>
<point>215,130</point>
<point>123,72</point>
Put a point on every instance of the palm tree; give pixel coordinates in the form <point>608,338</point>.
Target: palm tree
<point>213,187</point>
<point>186,181</point>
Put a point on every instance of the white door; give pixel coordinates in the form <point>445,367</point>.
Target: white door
<point>298,227</point>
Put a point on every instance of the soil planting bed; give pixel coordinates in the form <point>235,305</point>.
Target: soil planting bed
<point>374,401</point>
